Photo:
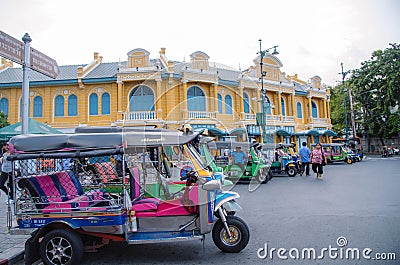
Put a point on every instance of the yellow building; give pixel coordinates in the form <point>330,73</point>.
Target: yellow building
<point>157,91</point>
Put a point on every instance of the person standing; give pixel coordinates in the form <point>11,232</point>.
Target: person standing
<point>238,157</point>
<point>318,160</point>
<point>6,173</point>
<point>304,156</point>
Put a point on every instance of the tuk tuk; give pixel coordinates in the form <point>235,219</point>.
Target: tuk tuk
<point>82,199</point>
<point>254,170</point>
<point>285,161</point>
<point>335,152</point>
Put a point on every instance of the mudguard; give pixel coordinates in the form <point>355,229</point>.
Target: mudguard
<point>223,197</point>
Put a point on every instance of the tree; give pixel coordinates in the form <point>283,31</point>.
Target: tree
<point>337,109</point>
<point>3,120</point>
<point>376,91</point>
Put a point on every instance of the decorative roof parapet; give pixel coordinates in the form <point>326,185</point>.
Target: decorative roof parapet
<point>83,71</point>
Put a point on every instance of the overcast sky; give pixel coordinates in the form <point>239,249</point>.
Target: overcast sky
<point>314,37</point>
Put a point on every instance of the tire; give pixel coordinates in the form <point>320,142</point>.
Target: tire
<point>269,175</point>
<point>349,161</point>
<point>262,177</point>
<point>236,226</point>
<point>61,246</point>
<point>291,171</point>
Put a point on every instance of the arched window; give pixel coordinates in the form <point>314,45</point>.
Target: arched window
<point>93,104</point>
<point>141,99</point>
<point>228,104</point>
<point>59,106</point>
<point>37,106</point>
<point>299,110</point>
<point>105,103</point>
<point>219,103</point>
<point>196,99</point>
<point>246,102</point>
<point>314,110</point>
<point>72,105</point>
<point>283,107</point>
<point>4,105</point>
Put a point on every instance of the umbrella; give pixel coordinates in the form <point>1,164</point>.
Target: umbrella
<point>34,127</point>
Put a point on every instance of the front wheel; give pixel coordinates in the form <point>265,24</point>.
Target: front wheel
<point>349,160</point>
<point>62,247</point>
<point>239,232</point>
<point>262,176</point>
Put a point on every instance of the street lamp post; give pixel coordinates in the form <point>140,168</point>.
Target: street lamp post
<point>344,101</point>
<point>265,105</point>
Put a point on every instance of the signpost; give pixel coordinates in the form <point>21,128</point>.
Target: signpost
<point>11,48</point>
<point>44,64</point>
<point>30,58</point>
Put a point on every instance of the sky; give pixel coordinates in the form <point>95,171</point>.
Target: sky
<point>313,36</point>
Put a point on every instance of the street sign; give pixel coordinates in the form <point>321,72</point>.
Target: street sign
<point>44,64</point>
<point>14,50</point>
<point>11,48</point>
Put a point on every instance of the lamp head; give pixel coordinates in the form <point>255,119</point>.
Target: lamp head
<point>275,51</point>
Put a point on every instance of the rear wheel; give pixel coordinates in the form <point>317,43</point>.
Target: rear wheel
<point>291,171</point>
<point>349,160</point>
<point>61,247</point>
<point>238,230</point>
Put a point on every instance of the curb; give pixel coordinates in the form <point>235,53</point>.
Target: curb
<point>12,255</point>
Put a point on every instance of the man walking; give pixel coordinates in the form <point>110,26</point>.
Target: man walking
<point>304,156</point>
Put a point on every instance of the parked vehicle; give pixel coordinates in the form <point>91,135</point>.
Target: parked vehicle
<point>255,167</point>
<point>384,152</point>
<point>205,151</point>
<point>67,209</point>
<point>396,150</point>
<point>283,163</point>
<point>336,152</point>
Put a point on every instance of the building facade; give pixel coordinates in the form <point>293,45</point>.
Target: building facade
<point>157,91</point>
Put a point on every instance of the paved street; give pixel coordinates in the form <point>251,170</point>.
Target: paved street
<point>360,202</point>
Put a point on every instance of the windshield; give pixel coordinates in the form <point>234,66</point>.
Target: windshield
<point>200,160</point>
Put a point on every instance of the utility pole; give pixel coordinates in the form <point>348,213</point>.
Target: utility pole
<point>352,116</point>
<point>344,101</point>
<point>265,104</point>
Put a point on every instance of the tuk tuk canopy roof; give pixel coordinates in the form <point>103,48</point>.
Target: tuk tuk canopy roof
<point>40,144</point>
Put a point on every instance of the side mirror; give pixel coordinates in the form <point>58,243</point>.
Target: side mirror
<point>214,184</point>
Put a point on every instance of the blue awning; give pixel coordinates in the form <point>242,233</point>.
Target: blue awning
<point>238,131</point>
<point>283,132</point>
<point>307,133</point>
<point>213,130</point>
<point>327,132</point>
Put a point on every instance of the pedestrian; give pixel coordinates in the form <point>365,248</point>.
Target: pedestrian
<point>304,157</point>
<point>238,157</point>
<point>318,160</point>
<point>6,169</point>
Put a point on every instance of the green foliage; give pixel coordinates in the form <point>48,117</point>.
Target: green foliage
<point>3,120</point>
<point>376,91</point>
<point>337,109</point>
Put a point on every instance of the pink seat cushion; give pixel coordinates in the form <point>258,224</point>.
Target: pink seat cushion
<point>146,205</point>
<point>77,203</point>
